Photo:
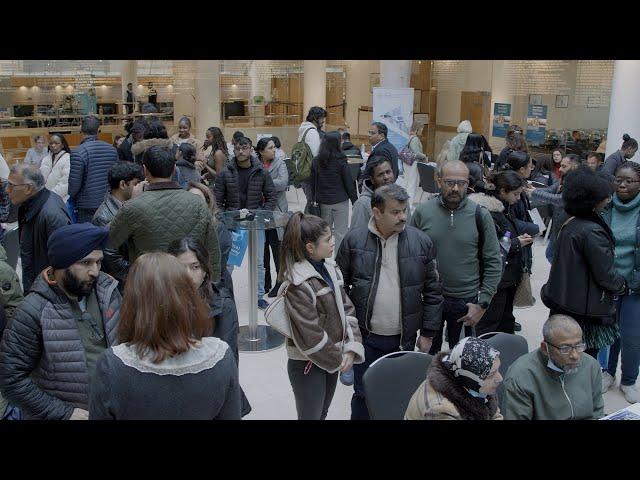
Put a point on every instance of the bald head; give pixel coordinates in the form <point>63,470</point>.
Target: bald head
<point>560,326</point>
<point>454,167</point>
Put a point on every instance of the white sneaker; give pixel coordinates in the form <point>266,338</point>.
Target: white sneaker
<point>631,393</point>
<point>607,381</point>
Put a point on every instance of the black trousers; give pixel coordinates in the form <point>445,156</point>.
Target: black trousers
<point>313,391</point>
<point>271,241</point>
<point>452,310</point>
<point>499,316</point>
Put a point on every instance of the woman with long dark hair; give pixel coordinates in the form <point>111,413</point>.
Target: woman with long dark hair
<point>56,165</point>
<point>500,201</point>
<point>332,186</point>
<point>218,155</point>
<point>325,333</point>
<point>583,280</point>
<point>166,366</point>
<point>266,152</point>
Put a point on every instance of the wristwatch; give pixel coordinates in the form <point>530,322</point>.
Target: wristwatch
<point>484,305</point>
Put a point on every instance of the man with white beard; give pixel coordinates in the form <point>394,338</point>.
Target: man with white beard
<point>556,381</point>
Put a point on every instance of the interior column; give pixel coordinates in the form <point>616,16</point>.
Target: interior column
<point>315,85</point>
<point>624,109</point>
<point>207,108</point>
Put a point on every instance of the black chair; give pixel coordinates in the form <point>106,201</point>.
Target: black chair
<point>427,175</point>
<point>11,243</point>
<point>390,382</point>
<point>511,347</point>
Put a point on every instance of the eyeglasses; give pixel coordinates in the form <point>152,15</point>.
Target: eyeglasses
<point>8,184</point>
<point>240,149</point>
<point>453,183</point>
<point>373,132</point>
<point>566,349</point>
<point>620,181</point>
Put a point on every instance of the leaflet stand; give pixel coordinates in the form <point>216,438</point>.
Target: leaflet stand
<point>254,337</point>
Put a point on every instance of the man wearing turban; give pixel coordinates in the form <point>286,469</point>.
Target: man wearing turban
<point>49,350</point>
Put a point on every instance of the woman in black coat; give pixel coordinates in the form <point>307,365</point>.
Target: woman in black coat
<point>195,257</point>
<point>500,201</point>
<point>583,282</point>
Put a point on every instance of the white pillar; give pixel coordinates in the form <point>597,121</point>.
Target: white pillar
<point>315,85</point>
<point>624,109</point>
<point>395,73</point>
<point>128,70</point>
<point>184,92</point>
<point>207,95</point>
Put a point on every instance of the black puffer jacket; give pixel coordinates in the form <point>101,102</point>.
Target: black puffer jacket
<point>386,149</point>
<point>115,262</point>
<point>504,221</point>
<point>124,150</point>
<point>38,217</point>
<point>260,195</point>
<point>90,164</point>
<point>583,279</point>
<point>359,260</point>
<point>332,184</point>
<point>43,369</point>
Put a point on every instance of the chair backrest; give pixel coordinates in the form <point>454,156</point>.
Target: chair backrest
<point>511,347</point>
<point>427,175</point>
<point>11,244</point>
<point>390,382</point>
<point>354,170</point>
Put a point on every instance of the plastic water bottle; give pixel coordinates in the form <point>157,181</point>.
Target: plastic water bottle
<point>505,243</point>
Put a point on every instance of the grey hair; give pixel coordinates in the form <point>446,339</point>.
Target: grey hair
<point>558,322</point>
<point>392,191</point>
<point>30,173</point>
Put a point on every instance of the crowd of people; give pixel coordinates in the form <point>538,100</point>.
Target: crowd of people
<point>126,307</point>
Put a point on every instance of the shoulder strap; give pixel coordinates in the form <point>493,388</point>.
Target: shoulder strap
<point>566,222</point>
<point>304,135</point>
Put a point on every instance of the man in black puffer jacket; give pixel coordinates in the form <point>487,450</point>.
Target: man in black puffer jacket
<point>244,183</point>
<point>390,276</point>
<point>49,350</point>
<point>40,212</point>
<point>90,164</point>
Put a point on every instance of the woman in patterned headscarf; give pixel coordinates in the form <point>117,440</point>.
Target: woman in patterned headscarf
<point>460,385</point>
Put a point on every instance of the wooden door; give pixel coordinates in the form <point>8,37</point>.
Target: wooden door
<point>476,107</point>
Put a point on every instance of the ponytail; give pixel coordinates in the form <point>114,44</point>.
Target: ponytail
<point>300,230</point>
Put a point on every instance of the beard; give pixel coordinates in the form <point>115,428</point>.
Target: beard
<point>75,286</point>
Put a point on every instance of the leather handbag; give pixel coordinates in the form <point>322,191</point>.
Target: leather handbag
<point>524,296</point>
<point>276,314</point>
<point>406,155</point>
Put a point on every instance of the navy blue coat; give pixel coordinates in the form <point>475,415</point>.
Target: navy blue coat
<point>90,163</point>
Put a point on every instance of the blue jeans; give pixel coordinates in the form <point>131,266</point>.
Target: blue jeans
<point>549,250</point>
<point>628,314</point>
<point>375,346</point>
<point>452,310</point>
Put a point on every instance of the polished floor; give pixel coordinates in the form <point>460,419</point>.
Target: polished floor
<point>263,375</point>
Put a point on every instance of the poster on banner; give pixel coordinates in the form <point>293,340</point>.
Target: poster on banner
<point>501,119</point>
<point>536,124</point>
<point>394,108</point>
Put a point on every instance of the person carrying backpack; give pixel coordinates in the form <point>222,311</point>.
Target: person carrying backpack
<point>303,152</point>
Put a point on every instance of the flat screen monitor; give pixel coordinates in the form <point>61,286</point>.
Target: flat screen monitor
<point>23,110</point>
<point>234,109</point>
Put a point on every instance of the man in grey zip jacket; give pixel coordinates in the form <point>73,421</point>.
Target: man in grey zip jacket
<point>49,350</point>
<point>390,275</point>
<point>556,381</point>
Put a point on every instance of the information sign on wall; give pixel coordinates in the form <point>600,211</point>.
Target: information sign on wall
<point>501,119</point>
<point>536,124</point>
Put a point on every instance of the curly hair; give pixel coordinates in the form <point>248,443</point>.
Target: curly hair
<point>583,189</point>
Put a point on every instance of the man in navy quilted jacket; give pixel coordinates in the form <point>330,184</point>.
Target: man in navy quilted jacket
<point>90,164</point>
